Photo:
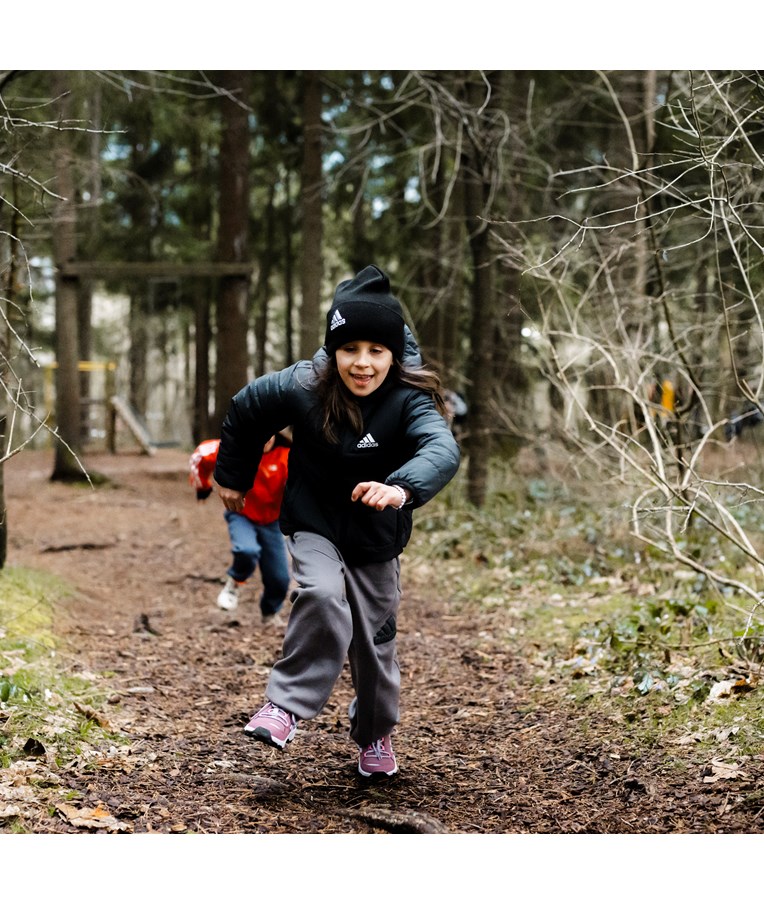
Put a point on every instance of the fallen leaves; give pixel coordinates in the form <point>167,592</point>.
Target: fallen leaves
<point>20,788</point>
<point>92,818</point>
<point>729,688</point>
<point>718,769</point>
<point>720,734</point>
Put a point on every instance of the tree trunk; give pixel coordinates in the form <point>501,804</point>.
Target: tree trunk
<point>91,223</point>
<point>233,241</point>
<point>442,281</point>
<point>200,217</point>
<point>452,256</point>
<point>478,169</point>
<point>201,416</point>
<point>6,299</point>
<point>138,203</point>
<point>480,367</point>
<point>66,466</point>
<point>289,355</point>
<point>263,294</point>
<point>359,251</point>
<point>312,217</point>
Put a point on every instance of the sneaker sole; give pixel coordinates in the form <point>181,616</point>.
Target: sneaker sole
<point>260,734</point>
<point>377,772</point>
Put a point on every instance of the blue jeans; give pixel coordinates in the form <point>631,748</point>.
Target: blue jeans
<point>253,544</point>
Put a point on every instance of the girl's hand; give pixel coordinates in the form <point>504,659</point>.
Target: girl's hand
<point>233,500</point>
<point>379,496</point>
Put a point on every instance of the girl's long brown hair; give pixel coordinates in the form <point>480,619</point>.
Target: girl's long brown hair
<point>340,407</point>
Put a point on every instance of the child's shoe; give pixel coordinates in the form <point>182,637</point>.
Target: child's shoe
<point>272,725</point>
<point>274,620</point>
<point>228,598</point>
<point>378,758</point>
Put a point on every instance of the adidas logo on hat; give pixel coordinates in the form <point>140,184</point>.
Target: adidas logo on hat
<point>337,320</point>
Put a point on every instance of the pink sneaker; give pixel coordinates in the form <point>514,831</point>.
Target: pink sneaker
<point>272,725</point>
<point>377,758</point>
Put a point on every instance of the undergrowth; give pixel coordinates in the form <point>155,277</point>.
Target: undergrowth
<point>604,621</point>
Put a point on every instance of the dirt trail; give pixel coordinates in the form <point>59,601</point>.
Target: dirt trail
<point>476,754</point>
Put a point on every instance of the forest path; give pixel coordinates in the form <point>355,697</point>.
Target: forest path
<point>477,752</point>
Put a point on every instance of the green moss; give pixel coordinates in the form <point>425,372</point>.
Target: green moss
<point>43,704</point>
<point>26,605</point>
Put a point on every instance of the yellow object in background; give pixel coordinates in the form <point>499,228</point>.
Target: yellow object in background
<point>668,397</point>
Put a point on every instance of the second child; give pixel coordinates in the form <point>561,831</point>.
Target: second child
<point>254,531</point>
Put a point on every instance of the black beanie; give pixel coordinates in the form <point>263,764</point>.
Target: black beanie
<point>364,310</point>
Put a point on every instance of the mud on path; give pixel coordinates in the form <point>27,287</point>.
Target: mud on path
<point>477,753</point>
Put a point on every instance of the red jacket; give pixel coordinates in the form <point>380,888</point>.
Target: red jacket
<point>262,503</point>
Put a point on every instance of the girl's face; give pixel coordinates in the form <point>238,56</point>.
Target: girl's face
<point>363,366</point>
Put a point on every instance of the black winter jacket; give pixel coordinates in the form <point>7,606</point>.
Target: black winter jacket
<point>404,441</point>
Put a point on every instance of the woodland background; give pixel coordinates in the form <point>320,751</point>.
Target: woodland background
<point>578,252</point>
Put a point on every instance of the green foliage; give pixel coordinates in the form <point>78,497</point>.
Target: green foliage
<point>527,527</point>
<point>613,626</point>
<point>637,640</point>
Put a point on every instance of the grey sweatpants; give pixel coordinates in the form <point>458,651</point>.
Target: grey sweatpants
<point>338,611</point>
